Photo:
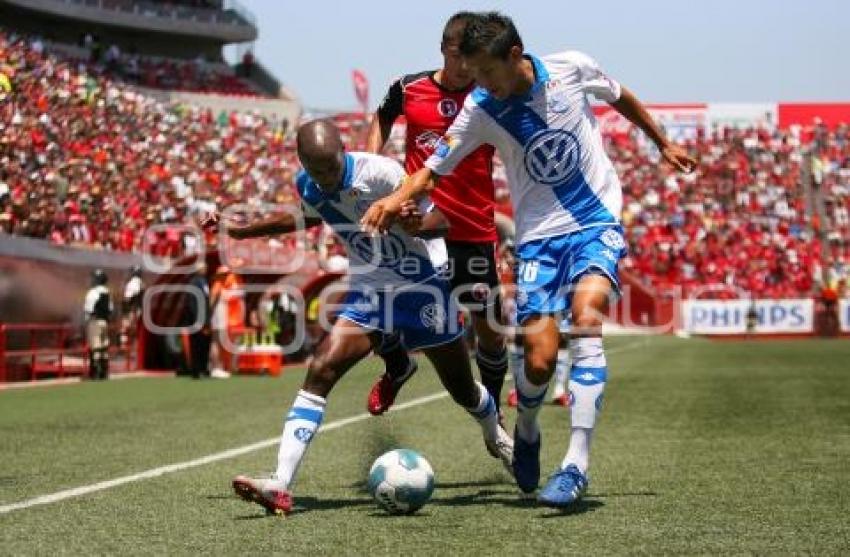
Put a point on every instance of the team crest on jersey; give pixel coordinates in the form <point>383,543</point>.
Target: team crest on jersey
<point>613,239</point>
<point>552,157</point>
<point>447,108</point>
<point>559,103</point>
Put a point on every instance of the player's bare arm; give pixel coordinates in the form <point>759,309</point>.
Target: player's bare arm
<point>384,212</point>
<point>379,133</point>
<point>633,110</point>
<point>384,118</point>
<point>280,223</point>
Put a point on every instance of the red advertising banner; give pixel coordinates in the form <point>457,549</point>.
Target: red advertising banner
<point>804,114</point>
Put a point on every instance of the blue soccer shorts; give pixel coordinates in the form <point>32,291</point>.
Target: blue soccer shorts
<point>423,314</point>
<point>549,268</point>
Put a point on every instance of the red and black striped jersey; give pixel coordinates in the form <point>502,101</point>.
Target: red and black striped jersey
<point>466,195</point>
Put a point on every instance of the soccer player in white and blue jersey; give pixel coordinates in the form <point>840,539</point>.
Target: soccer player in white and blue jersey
<point>394,287</point>
<point>567,201</point>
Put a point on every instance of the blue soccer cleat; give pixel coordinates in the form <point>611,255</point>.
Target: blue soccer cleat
<point>526,463</point>
<point>565,487</point>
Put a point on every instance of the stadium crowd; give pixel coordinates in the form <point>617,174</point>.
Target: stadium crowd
<point>740,220</point>
<point>87,160</point>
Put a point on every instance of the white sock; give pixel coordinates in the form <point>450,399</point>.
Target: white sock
<point>298,430</point>
<point>588,375</point>
<point>516,359</point>
<point>579,451</point>
<point>562,368</point>
<point>485,413</point>
<point>529,400</point>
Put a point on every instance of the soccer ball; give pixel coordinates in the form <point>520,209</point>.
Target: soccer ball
<point>401,481</point>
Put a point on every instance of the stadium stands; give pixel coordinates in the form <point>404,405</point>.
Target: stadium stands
<point>741,220</point>
<point>90,161</point>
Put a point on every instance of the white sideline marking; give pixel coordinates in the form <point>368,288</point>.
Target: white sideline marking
<point>224,455</point>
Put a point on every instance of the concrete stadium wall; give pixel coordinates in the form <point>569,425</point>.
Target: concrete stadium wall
<point>40,282</point>
<point>282,108</point>
<point>231,30</point>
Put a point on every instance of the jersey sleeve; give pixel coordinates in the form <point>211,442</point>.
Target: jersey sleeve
<point>302,185</point>
<point>594,81</point>
<point>393,104</point>
<point>464,136</point>
<point>385,174</point>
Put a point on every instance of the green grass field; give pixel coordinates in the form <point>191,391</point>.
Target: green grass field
<point>704,447</point>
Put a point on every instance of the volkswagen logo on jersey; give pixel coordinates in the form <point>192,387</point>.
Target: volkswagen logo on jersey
<point>447,108</point>
<point>390,248</point>
<point>552,157</point>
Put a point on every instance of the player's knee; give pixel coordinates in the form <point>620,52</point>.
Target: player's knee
<point>588,322</point>
<point>539,367</point>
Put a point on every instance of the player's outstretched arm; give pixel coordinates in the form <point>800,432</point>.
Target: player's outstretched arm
<point>384,212</point>
<point>281,223</point>
<point>633,110</point>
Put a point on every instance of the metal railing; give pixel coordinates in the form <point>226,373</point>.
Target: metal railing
<point>49,349</point>
<point>231,16</point>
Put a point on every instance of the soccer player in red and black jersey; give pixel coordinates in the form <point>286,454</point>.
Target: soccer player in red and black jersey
<point>429,101</point>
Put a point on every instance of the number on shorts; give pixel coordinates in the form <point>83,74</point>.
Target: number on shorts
<point>528,270</point>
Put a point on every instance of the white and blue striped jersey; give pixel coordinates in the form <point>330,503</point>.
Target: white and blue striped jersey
<point>380,262</point>
<point>560,178</point>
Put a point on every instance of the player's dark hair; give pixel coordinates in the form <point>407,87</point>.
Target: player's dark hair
<point>453,31</point>
<point>490,32</point>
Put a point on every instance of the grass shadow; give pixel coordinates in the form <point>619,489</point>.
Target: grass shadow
<point>582,507</point>
<point>627,494</point>
<point>483,497</point>
<point>304,504</point>
<point>480,483</point>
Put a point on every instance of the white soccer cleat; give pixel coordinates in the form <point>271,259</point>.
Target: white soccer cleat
<point>502,447</point>
<point>266,492</point>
